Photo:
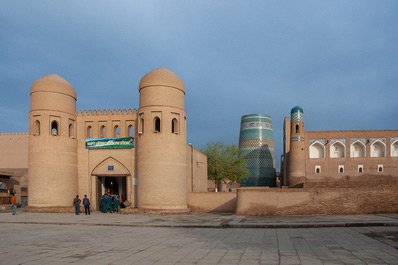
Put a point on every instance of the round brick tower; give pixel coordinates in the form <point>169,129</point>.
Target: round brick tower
<point>52,143</point>
<point>161,148</point>
<point>297,152</point>
<point>256,144</point>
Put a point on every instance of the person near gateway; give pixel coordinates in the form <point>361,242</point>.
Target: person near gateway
<point>86,203</point>
<point>76,203</point>
<point>13,204</point>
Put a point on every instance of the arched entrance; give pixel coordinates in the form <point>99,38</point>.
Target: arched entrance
<point>110,177</point>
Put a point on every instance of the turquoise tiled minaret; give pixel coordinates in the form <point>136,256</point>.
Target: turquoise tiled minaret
<point>256,144</point>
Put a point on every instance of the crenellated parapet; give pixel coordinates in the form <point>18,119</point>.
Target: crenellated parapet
<point>11,134</point>
<point>106,112</point>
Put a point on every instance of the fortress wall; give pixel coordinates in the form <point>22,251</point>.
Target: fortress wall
<point>318,201</point>
<point>14,150</point>
<point>212,201</point>
<point>197,170</point>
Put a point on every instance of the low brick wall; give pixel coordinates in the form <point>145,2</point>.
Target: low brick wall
<point>212,201</point>
<point>317,201</point>
<point>53,209</point>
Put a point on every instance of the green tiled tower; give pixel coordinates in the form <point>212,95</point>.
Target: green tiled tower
<point>256,144</point>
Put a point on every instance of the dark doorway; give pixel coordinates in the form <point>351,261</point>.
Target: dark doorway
<point>112,185</point>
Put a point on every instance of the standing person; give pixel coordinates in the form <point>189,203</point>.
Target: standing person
<point>102,203</point>
<point>108,204</point>
<point>13,204</point>
<point>86,203</point>
<point>116,201</point>
<point>76,203</point>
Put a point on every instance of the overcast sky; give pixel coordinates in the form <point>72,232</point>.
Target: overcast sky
<point>338,60</point>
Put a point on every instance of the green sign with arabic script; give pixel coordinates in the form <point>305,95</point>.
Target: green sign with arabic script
<point>110,143</point>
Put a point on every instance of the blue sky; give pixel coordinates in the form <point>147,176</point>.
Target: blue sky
<point>338,60</point>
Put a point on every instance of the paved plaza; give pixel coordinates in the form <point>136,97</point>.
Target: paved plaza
<point>196,238</point>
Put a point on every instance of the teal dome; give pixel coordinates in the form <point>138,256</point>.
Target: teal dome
<point>296,109</point>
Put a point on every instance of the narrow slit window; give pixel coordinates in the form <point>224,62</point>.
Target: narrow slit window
<point>71,131</point>
<point>37,128</point>
<point>89,133</point>
<point>174,126</point>
<point>54,128</point>
<point>103,131</point>
<point>156,123</point>
<point>116,131</point>
<point>131,131</point>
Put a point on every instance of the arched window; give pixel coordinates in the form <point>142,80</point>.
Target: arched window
<point>337,150</point>
<point>156,124</point>
<point>341,170</point>
<point>317,150</point>
<point>116,131</point>
<point>36,130</point>
<point>377,149</point>
<point>89,132</point>
<point>297,128</point>
<point>103,131</point>
<point>174,126</point>
<point>130,131</point>
<point>380,168</point>
<point>360,169</point>
<point>71,131</point>
<point>394,149</point>
<point>54,128</point>
<point>358,149</point>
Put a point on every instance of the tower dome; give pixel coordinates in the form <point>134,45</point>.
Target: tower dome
<point>162,87</point>
<point>162,77</point>
<point>53,83</point>
<point>297,113</point>
<point>52,92</point>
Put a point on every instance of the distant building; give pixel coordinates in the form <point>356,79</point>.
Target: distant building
<point>140,155</point>
<point>256,144</point>
<point>327,156</point>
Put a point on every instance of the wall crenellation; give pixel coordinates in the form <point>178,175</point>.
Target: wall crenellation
<point>105,112</point>
<point>9,134</point>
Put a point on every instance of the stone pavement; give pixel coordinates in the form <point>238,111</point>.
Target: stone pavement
<point>197,238</point>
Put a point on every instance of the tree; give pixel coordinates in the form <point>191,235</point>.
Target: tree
<point>224,163</point>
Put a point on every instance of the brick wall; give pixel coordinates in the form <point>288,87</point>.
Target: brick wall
<point>318,201</point>
<point>212,201</point>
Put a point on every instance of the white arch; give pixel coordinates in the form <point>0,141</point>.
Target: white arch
<point>378,149</point>
<point>358,149</point>
<point>394,149</point>
<point>337,150</point>
<point>317,150</point>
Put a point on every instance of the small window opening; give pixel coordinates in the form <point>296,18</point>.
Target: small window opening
<point>142,126</point>
<point>54,128</point>
<point>341,169</point>
<point>116,132</point>
<point>131,131</point>
<point>318,170</point>
<point>380,168</point>
<point>156,124</point>
<point>174,126</point>
<point>89,133</point>
<point>360,170</point>
<point>71,131</point>
<point>103,131</point>
<point>297,128</point>
<point>37,128</point>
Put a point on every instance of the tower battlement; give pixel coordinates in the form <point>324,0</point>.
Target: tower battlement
<point>106,112</point>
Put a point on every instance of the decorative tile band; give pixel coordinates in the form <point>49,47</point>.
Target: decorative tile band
<point>322,141</point>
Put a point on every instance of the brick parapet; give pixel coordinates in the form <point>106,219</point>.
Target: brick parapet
<point>106,112</point>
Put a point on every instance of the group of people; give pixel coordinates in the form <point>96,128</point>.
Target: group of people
<point>86,204</point>
<point>111,203</point>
